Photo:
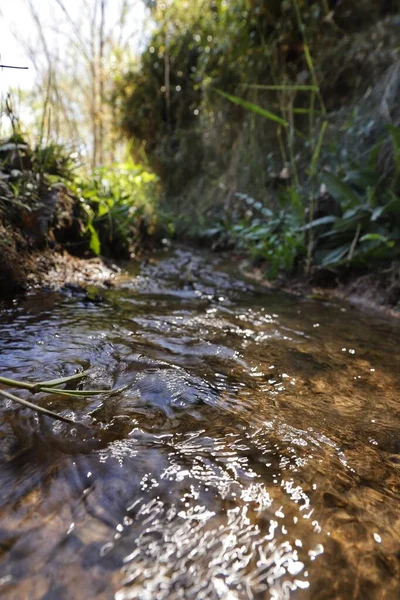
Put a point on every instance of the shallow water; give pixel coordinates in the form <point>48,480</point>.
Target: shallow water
<point>253,451</point>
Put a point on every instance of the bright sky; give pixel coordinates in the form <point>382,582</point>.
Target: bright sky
<point>10,51</point>
<point>16,24</point>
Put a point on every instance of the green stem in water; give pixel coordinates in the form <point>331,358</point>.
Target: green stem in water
<point>76,393</point>
<point>37,387</point>
<point>61,380</point>
<point>17,384</point>
<point>39,409</point>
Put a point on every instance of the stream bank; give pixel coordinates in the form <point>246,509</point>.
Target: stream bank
<point>47,232</point>
<point>374,291</point>
<point>24,266</point>
<point>25,270</point>
<point>55,223</point>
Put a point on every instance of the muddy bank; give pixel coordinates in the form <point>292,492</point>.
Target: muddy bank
<point>40,218</point>
<point>377,291</point>
<point>53,221</point>
<point>24,266</point>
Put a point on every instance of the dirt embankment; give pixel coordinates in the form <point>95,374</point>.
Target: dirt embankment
<point>376,291</point>
<point>24,266</point>
<point>43,239</point>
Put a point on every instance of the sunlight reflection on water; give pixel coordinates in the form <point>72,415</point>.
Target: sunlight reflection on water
<point>248,454</point>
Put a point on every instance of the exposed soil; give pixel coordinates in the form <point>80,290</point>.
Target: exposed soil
<point>377,291</point>
<point>24,266</point>
<point>374,291</point>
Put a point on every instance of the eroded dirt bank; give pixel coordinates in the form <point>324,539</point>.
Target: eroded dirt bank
<point>376,291</point>
<point>23,267</point>
<point>26,264</point>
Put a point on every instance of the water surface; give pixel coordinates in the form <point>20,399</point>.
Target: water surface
<point>253,451</point>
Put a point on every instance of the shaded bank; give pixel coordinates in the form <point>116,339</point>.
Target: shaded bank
<point>53,220</point>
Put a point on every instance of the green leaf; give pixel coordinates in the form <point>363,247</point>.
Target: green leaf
<point>374,157</point>
<point>379,211</point>
<point>340,190</point>
<point>394,133</point>
<point>295,202</point>
<point>335,256</point>
<point>359,212</point>
<point>213,231</point>
<point>267,212</point>
<point>352,218</point>
<point>373,237</point>
<point>94,245</point>
<point>320,221</point>
<point>103,210</point>
<point>362,178</point>
<point>253,107</point>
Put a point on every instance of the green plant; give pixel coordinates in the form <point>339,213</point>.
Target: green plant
<point>274,238</point>
<point>54,161</point>
<point>119,202</point>
<point>369,227</point>
<point>49,387</point>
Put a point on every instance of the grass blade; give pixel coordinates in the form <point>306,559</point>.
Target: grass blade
<point>254,108</point>
<point>61,380</point>
<point>77,393</point>
<point>39,409</point>
<point>317,151</point>
<point>283,88</point>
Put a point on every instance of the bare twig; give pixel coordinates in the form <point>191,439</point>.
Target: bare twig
<point>12,67</point>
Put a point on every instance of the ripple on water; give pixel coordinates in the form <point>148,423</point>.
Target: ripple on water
<point>247,455</point>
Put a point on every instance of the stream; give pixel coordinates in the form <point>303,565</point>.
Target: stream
<point>251,450</point>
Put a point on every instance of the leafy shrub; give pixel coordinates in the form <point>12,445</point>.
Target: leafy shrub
<point>55,160</point>
<point>274,238</point>
<point>120,203</point>
<point>366,230</point>
<point>369,228</point>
